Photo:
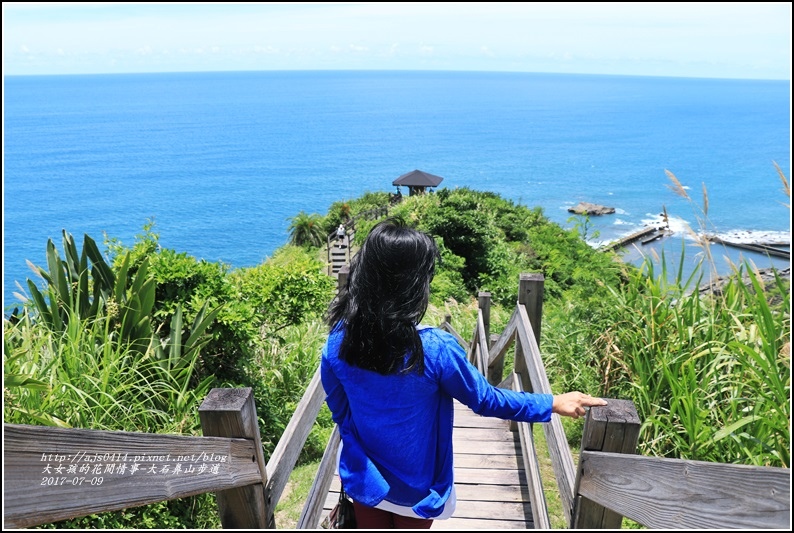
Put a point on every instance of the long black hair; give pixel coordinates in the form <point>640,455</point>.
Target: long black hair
<point>387,292</point>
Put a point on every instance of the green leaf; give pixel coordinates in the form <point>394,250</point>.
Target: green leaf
<point>25,381</point>
<point>728,430</point>
<point>101,271</point>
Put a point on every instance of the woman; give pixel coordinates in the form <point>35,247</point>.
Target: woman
<point>390,385</point>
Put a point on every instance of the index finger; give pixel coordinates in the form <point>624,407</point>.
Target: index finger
<point>594,401</point>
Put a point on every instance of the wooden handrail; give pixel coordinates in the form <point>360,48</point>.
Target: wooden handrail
<point>287,451</point>
<point>683,494</point>
<point>54,474</point>
<point>313,508</point>
<point>540,511</point>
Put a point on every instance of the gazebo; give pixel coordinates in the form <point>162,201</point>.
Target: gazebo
<point>417,181</point>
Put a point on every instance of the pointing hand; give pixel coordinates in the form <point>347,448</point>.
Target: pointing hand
<point>573,404</point>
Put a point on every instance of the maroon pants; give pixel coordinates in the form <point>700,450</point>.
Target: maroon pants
<point>371,518</point>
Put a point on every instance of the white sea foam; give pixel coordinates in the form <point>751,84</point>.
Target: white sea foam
<point>680,227</point>
<point>676,225</point>
<point>619,211</point>
<point>755,236</point>
<point>620,222</point>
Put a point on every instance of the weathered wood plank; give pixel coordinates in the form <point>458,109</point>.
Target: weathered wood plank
<point>464,491</point>
<point>665,493</point>
<point>490,493</point>
<point>495,448</point>
<point>231,412</point>
<point>464,522</point>
<point>493,510</point>
<point>446,326</point>
<point>290,445</point>
<point>614,428</point>
<point>482,340</point>
<point>499,349</point>
<point>53,474</point>
<point>489,476</point>
<point>495,462</point>
<point>472,420</point>
<point>484,304</point>
<point>540,512</point>
<point>312,513</point>
<point>486,434</point>
<point>559,450</point>
<point>479,509</point>
<point>467,524</point>
<point>530,299</point>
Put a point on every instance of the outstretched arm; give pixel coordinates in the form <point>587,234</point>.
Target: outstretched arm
<point>573,404</point>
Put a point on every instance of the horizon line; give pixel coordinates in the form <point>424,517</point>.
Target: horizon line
<point>474,71</point>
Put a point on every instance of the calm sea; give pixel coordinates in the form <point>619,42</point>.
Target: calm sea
<point>220,161</point>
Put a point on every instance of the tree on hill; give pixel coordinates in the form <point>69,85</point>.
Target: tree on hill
<point>306,229</point>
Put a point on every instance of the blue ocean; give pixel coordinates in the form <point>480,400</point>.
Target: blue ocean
<point>221,161</point>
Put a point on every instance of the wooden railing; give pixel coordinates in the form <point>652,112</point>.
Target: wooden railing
<point>53,474</point>
<point>610,480</point>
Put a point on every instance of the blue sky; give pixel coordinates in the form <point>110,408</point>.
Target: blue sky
<point>690,39</point>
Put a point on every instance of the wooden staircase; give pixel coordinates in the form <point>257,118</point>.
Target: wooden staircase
<point>339,254</point>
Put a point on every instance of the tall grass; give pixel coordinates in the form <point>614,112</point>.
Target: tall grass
<point>708,370</point>
<point>709,374</point>
<point>81,377</point>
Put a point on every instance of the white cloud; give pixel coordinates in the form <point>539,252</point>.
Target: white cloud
<point>265,49</point>
<point>736,39</point>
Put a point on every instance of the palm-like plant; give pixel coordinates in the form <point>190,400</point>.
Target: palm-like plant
<point>306,229</point>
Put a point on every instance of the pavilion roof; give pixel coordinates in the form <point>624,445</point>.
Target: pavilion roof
<point>418,178</point>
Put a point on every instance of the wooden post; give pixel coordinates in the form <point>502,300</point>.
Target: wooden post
<point>328,253</point>
<point>530,295</point>
<point>232,413</point>
<point>484,303</point>
<point>495,368</point>
<point>615,428</point>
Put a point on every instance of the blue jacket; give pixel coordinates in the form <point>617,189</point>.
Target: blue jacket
<point>397,430</point>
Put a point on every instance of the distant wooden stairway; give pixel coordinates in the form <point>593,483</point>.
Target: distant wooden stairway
<point>338,253</point>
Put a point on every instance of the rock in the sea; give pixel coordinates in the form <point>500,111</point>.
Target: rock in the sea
<point>586,208</point>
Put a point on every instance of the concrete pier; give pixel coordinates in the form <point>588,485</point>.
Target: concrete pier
<point>652,233</point>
